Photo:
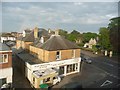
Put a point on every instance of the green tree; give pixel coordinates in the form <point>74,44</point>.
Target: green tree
<point>114,28</point>
<point>63,32</point>
<point>74,35</point>
<point>104,39</point>
<point>75,32</point>
<point>87,36</point>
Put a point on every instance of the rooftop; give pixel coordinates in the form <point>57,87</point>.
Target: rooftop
<point>26,57</point>
<point>7,35</point>
<point>4,47</point>
<point>57,42</point>
<point>40,73</point>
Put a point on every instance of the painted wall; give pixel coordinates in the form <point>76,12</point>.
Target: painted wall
<point>6,73</point>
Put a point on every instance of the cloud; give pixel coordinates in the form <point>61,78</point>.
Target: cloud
<point>65,15</point>
<point>78,3</point>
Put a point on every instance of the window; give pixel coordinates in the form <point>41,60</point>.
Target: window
<point>58,55</point>
<point>46,80</point>
<point>4,58</point>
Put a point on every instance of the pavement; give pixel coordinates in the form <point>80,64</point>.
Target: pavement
<point>19,81</point>
<point>86,77</point>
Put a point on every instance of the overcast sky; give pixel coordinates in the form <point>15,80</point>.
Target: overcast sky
<point>81,16</point>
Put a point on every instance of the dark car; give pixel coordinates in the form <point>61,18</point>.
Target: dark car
<point>87,60</point>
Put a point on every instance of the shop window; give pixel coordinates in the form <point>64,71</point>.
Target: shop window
<point>58,55</point>
<point>71,68</point>
<point>4,58</point>
<point>61,70</point>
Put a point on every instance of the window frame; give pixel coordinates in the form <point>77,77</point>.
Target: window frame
<point>3,58</point>
<point>58,55</point>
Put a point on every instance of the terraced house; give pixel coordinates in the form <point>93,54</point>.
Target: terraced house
<point>5,64</point>
<point>48,52</point>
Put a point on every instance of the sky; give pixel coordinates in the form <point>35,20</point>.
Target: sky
<point>80,16</point>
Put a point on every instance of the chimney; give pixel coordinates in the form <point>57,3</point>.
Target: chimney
<point>36,32</point>
<point>56,32</point>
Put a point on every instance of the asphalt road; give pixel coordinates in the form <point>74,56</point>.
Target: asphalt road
<point>111,69</point>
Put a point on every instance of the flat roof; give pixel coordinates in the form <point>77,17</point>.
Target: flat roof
<point>45,72</point>
<point>26,57</point>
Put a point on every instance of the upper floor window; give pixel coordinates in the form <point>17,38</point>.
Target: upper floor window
<point>58,55</point>
<point>3,58</point>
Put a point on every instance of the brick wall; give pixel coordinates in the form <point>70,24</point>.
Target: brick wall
<point>48,56</point>
<point>9,63</point>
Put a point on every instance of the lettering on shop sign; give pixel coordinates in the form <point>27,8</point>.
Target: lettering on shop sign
<point>56,64</point>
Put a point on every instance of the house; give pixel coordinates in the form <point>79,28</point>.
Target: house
<point>56,53</point>
<point>7,37</point>
<point>91,42</point>
<point>38,34</point>
<point>5,64</point>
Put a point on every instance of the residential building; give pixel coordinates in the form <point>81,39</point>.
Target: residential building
<point>91,42</point>
<point>7,37</point>
<point>5,64</point>
<point>56,53</point>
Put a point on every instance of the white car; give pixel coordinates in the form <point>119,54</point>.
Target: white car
<point>56,80</point>
<point>7,85</point>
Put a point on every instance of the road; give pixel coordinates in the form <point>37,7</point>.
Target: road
<point>111,69</point>
<point>102,73</point>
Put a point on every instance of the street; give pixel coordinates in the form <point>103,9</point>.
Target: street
<point>111,69</point>
<point>101,73</point>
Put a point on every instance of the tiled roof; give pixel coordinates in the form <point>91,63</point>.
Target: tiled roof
<point>27,38</point>
<point>26,57</point>
<point>4,47</point>
<point>30,37</point>
<point>58,43</point>
<point>7,35</point>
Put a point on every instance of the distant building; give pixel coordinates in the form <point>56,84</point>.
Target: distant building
<point>5,64</point>
<point>7,37</point>
<point>90,43</point>
<point>56,53</point>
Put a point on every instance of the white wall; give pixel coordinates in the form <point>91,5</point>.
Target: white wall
<point>6,73</point>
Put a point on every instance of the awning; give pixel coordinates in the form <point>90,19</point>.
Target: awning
<point>44,86</point>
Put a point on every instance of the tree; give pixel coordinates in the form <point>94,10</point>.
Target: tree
<point>75,32</point>
<point>62,32</point>
<point>104,39</point>
<point>114,28</point>
<point>87,36</point>
<point>74,35</point>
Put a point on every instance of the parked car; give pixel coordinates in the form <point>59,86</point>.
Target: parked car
<point>87,60</point>
<point>7,85</point>
<point>56,80</point>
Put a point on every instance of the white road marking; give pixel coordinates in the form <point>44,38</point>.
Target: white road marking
<point>107,82</point>
<point>118,85</point>
<point>108,64</point>
<point>112,75</point>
